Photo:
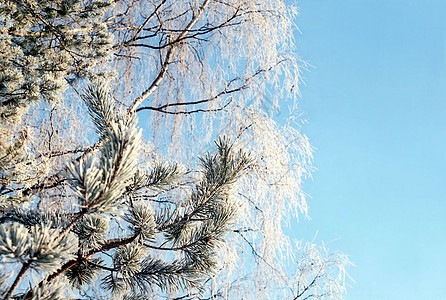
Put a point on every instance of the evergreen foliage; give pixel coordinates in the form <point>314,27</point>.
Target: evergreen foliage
<point>102,187</point>
<point>42,43</point>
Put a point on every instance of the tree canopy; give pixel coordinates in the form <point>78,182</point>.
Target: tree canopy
<point>109,183</point>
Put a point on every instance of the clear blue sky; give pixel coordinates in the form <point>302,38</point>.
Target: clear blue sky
<point>376,106</point>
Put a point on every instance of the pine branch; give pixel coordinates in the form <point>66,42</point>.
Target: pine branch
<point>19,276</point>
<point>105,246</point>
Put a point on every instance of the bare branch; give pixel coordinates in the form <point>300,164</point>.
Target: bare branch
<point>166,62</point>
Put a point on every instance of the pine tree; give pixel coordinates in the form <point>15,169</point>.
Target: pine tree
<point>44,44</point>
<point>101,213</point>
<point>108,190</point>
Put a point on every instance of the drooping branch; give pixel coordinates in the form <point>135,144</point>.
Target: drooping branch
<point>226,91</point>
<point>191,33</point>
<point>166,62</point>
<point>140,27</point>
<point>256,254</point>
<point>185,112</point>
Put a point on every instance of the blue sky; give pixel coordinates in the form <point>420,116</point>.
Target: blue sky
<point>376,107</point>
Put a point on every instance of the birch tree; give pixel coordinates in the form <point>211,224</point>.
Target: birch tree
<point>90,204</point>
